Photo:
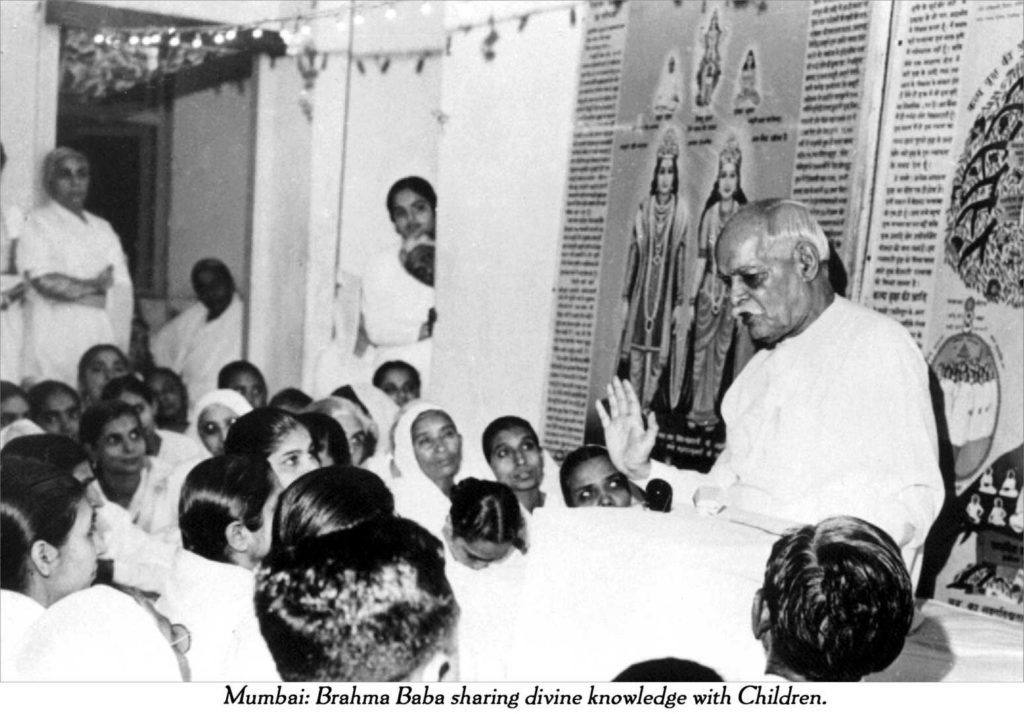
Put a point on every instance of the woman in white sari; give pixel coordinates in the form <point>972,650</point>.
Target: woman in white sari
<point>81,292</point>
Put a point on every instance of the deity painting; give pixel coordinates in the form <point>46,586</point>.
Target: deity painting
<point>669,94</point>
<point>709,70</point>
<point>748,96</point>
<point>718,340</point>
<point>652,296</point>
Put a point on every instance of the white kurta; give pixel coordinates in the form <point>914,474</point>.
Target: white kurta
<point>836,420</point>
<point>55,240</point>
<point>12,315</point>
<point>395,305</point>
<point>215,602</point>
<point>177,448</point>
<point>196,348</point>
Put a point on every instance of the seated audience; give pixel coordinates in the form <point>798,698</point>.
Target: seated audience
<point>13,403</point>
<point>399,380</point>
<point>102,634</point>
<point>485,523</point>
<point>367,604</point>
<point>246,379</point>
<point>333,498</point>
<point>277,436</point>
<point>56,408</point>
<point>80,289</point>
<point>291,400</point>
<point>98,365</point>
<point>836,603</point>
<point>667,669</point>
<point>514,454</point>
<point>171,399</point>
<point>133,557</point>
<point>167,446</point>
<point>329,440</point>
<point>589,478</point>
<point>50,543</point>
<point>112,435</point>
<point>225,515</point>
<point>206,335</point>
<point>213,416</point>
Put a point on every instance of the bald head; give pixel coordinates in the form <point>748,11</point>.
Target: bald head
<point>773,256</point>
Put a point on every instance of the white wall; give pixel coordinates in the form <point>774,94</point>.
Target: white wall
<point>29,56</point>
<point>503,164</point>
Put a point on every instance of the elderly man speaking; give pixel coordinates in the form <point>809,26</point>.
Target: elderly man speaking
<point>831,417</point>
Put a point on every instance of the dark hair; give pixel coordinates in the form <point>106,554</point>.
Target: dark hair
<point>419,186</point>
<point>328,435</point>
<point>486,510</point>
<point>61,452</point>
<point>38,502</point>
<point>215,266</point>
<point>668,669</point>
<point>164,421</point>
<point>217,492</point>
<point>576,458</point>
<point>260,431</point>
<point>40,394</point>
<point>127,383</point>
<point>378,376</point>
<point>502,424</point>
<point>675,174</point>
<point>368,604</point>
<point>345,391</point>
<point>237,367</point>
<point>96,417</point>
<point>291,399</point>
<point>10,389</point>
<point>839,600</point>
<point>90,354</point>
<point>326,500</point>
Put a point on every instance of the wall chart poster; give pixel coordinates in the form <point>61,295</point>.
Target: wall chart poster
<point>685,112</point>
<point>946,258</point>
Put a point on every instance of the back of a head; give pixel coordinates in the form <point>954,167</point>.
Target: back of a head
<point>488,511</point>
<point>668,669</point>
<point>368,604</point>
<point>218,492</point>
<point>259,432</point>
<point>127,383</point>
<point>228,371</point>
<point>38,502</point>
<point>328,500</point>
<point>59,451</point>
<point>291,400</point>
<point>839,600</point>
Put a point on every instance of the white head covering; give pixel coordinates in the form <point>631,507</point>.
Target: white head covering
<point>383,411</point>
<point>225,397</point>
<point>96,635</point>
<point>416,496</point>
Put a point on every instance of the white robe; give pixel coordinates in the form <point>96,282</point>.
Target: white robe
<point>177,448</point>
<point>197,349</point>
<point>836,420</point>
<point>215,602</point>
<point>12,316</point>
<point>55,240</point>
<point>395,305</point>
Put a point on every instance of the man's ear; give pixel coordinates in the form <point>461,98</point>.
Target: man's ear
<point>807,259</point>
<point>238,536</point>
<point>44,557</point>
<point>760,621</point>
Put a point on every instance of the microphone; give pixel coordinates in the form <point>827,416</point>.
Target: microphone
<point>659,495</point>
